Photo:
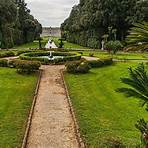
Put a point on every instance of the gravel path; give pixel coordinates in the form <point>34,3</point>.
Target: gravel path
<point>90,58</point>
<point>52,124</point>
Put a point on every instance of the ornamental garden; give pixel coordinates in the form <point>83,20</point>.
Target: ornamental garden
<point>107,81</point>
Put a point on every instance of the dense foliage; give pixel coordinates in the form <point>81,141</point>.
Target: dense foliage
<point>90,20</point>
<point>17,26</point>
<point>113,46</point>
<point>138,37</point>
<point>80,66</point>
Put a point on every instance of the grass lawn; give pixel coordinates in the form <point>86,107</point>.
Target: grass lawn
<point>103,113</point>
<point>119,55</point>
<point>16,93</point>
<point>69,45</point>
<point>34,44</point>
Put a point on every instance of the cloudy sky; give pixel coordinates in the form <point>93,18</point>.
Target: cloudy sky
<point>51,12</point>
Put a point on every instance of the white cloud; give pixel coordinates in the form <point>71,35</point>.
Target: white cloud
<point>51,12</point>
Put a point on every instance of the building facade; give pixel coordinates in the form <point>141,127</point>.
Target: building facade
<point>51,31</point>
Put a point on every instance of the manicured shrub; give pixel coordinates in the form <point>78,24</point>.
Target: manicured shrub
<point>91,54</point>
<point>113,46</point>
<point>84,67</point>
<point>3,63</point>
<point>100,62</point>
<point>23,51</point>
<point>78,67</point>
<point>36,56</point>
<point>107,61</point>
<point>6,54</point>
<point>71,67</point>
<point>26,67</point>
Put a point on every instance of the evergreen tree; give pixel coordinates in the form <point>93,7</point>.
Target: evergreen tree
<point>90,20</point>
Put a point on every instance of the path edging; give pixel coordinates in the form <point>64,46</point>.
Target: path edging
<point>24,143</point>
<point>76,126</point>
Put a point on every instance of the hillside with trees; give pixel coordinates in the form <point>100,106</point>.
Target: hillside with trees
<point>90,20</point>
<point>17,25</point>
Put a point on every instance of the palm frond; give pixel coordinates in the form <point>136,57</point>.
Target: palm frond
<point>138,82</point>
<point>138,36</point>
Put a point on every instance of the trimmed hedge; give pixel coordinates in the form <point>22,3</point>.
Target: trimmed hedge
<point>100,62</point>
<point>3,63</point>
<point>4,54</point>
<point>26,67</point>
<point>34,56</point>
<point>78,67</point>
<point>83,66</point>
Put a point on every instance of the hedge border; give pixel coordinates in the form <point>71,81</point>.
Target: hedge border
<point>80,140</point>
<point>28,125</point>
<point>69,56</point>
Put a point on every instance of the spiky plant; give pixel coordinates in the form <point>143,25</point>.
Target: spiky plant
<point>138,87</point>
<point>138,37</point>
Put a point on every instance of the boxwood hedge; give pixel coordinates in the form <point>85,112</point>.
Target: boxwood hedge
<point>67,56</point>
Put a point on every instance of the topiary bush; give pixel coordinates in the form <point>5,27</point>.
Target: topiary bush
<point>113,46</point>
<point>91,54</point>
<point>3,63</point>
<point>78,67</point>
<point>4,54</point>
<point>83,67</point>
<point>100,62</point>
<point>26,67</point>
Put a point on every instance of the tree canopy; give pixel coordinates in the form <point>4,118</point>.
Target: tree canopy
<point>90,19</point>
<point>17,25</point>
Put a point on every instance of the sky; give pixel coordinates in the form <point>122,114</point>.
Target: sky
<point>51,12</point>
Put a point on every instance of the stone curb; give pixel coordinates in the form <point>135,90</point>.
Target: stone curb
<point>24,143</point>
<point>76,126</point>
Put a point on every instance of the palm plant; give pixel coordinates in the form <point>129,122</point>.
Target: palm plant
<point>138,87</point>
<point>138,37</point>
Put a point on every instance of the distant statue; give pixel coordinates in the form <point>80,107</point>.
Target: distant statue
<point>103,42</point>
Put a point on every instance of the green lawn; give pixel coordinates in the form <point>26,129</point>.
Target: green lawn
<point>68,45</point>
<point>16,93</point>
<point>103,113</point>
<point>119,55</point>
<point>34,44</point>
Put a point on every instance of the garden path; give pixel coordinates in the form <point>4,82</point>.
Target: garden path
<point>52,125</point>
<point>90,58</point>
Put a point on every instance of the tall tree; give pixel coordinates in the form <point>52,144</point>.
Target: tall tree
<point>90,19</point>
<point>17,26</point>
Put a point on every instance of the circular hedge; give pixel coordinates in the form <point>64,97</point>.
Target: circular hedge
<point>35,56</point>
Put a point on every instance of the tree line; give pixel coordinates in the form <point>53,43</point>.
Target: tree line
<point>90,20</point>
<point>17,25</point>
